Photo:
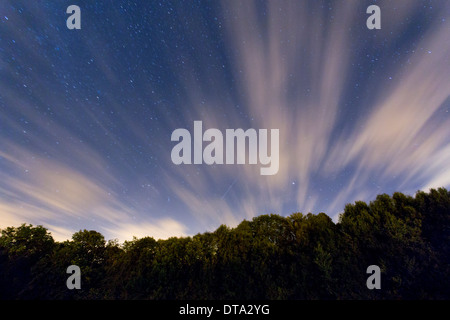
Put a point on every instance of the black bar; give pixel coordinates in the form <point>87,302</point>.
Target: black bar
<point>225,309</point>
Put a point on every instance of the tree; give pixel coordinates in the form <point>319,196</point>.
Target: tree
<point>270,257</point>
<point>20,249</point>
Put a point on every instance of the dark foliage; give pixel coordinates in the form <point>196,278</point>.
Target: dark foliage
<point>271,257</point>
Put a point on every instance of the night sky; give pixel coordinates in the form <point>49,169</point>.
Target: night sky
<point>86,116</point>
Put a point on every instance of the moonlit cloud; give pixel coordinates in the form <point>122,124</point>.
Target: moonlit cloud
<point>161,229</point>
<point>296,69</point>
<point>54,195</point>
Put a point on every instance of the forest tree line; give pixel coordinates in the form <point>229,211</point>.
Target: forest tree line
<point>270,257</point>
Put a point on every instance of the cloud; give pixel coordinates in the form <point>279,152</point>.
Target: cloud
<point>404,135</point>
<point>49,193</point>
<point>161,229</point>
<point>295,72</point>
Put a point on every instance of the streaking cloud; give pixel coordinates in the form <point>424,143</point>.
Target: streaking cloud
<point>86,116</point>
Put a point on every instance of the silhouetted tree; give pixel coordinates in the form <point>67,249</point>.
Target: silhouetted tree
<point>269,257</point>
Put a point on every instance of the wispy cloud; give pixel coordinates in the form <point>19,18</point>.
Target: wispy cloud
<point>42,191</point>
<point>160,229</point>
<point>294,71</point>
<point>359,112</point>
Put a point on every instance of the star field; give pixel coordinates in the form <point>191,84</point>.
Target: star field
<point>86,115</point>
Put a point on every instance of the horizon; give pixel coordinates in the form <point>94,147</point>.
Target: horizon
<point>133,237</point>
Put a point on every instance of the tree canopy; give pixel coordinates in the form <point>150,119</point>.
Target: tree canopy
<point>302,256</point>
